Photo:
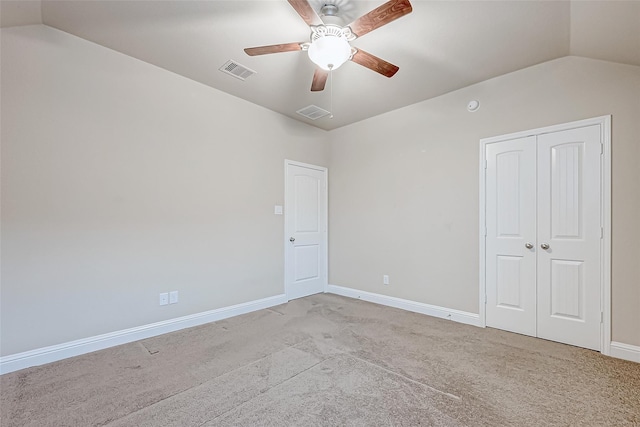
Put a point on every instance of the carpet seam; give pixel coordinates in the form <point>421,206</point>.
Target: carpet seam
<point>265,391</point>
<point>205,382</point>
<point>407,378</point>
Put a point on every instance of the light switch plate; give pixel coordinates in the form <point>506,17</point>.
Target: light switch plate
<point>278,210</point>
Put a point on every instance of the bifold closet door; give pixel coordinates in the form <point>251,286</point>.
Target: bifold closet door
<point>511,235</point>
<point>569,233</point>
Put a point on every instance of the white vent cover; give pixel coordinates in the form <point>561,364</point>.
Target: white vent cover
<point>236,70</point>
<point>313,112</point>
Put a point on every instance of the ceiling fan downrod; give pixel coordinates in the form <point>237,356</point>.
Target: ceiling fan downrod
<point>329,9</point>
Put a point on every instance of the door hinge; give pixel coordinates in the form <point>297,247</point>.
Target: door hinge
<point>485,163</point>
<point>485,299</point>
<point>601,148</point>
<point>601,317</point>
<point>485,231</point>
<point>601,232</point>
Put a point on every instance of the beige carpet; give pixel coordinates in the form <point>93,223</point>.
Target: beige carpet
<point>326,360</point>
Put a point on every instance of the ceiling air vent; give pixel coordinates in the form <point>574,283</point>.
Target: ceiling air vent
<point>313,112</point>
<point>236,70</point>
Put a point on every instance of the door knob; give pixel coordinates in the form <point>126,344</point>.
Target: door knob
<point>292,239</point>
<point>544,246</point>
<point>528,245</point>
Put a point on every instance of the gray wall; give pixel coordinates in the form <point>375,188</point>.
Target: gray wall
<point>404,185</point>
<point>121,180</point>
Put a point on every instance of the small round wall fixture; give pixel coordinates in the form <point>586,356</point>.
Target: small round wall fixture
<point>473,105</point>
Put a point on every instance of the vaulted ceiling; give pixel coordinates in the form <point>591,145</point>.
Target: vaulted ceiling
<point>440,47</point>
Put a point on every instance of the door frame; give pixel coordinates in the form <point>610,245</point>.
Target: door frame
<point>605,215</point>
<point>288,199</point>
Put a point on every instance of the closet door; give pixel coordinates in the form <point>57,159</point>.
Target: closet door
<point>511,232</point>
<point>569,233</point>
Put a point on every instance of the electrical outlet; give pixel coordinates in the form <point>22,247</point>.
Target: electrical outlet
<point>164,298</point>
<point>173,297</point>
<point>385,279</point>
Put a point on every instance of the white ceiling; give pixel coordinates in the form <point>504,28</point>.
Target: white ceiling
<point>440,47</point>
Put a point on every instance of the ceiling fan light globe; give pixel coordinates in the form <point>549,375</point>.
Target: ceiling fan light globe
<point>329,52</point>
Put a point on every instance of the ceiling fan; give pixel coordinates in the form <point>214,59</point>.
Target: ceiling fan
<point>329,45</point>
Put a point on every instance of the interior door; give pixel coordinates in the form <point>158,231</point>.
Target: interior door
<point>510,235</point>
<point>305,230</point>
<point>569,232</point>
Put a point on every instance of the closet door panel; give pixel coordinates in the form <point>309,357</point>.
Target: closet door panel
<point>569,231</point>
<point>511,210</point>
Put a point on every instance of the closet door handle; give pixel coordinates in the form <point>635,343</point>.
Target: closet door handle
<point>544,246</point>
<point>528,245</point>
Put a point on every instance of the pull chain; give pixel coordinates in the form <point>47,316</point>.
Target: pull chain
<point>331,91</point>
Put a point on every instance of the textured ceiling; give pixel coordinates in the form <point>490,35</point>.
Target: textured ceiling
<point>440,47</point>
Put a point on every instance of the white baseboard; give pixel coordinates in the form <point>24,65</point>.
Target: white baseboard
<point>416,307</point>
<point>625,351</point>
<point>56,352</point>
<point>617,349</point>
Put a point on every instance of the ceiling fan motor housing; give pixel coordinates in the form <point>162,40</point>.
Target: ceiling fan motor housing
<point>331,30</point>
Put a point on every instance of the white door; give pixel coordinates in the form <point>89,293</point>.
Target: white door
<point>569,231</point>
<point>305,229</point>
<point>543,231</point>
<point>511,235</point>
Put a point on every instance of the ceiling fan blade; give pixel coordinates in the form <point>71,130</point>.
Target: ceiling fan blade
<point>319,80</point>
<point>390,11</point>
<point>274,48</point>
<point>306,12</point>
<point>374,63</point>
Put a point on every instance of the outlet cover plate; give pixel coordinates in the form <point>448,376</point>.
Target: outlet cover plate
<point>173,297</point>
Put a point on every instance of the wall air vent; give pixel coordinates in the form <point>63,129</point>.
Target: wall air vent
<point>313,112</point>
<point>236,70</point>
